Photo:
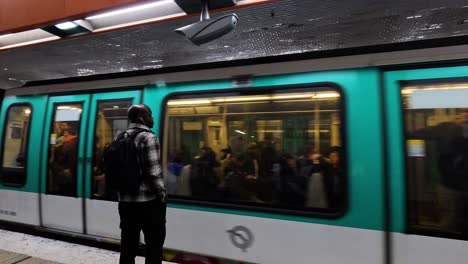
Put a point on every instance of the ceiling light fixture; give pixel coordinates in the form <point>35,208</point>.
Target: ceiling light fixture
<point>29,42</point>
<point>139,22</point>
<point>66,25</point>
<point>69,28</point>
<point>188,102</point>
<point>64,107</point>
<point>326,95</point>
<point>129,9</point>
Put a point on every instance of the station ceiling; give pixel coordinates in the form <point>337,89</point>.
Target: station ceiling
<point>270,30</point>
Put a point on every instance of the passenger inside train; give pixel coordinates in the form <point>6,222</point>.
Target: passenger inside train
<point>281,150</point>
<point>437,145</point>
<point>63,150</point>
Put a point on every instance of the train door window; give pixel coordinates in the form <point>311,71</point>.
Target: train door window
<point>276,150</point>
<point>15,142</point>
<point>111,119</point>
<point>436,134</point>
<point>63,150</point>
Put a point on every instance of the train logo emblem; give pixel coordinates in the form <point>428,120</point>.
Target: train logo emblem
<point>241,237</point>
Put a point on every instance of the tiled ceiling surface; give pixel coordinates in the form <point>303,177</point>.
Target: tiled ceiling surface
<point>274,29</point>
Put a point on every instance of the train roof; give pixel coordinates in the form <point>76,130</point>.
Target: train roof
<point>272,32</point>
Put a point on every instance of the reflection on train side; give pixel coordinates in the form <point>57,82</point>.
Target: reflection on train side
<point>278,149</point>
<point>436,126</point>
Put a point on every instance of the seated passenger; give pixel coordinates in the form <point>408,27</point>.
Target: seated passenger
<point>334,179</point>
<point>267,167</point>
<point>240,183</point>
<point>184,186</point>
<point>203,179</point>
<point>174,170</point>
<point>291,191</point>
<point>312,167</point>
<point>225,160</point>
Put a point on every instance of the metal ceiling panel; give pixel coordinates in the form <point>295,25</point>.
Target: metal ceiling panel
<point>268,30</point>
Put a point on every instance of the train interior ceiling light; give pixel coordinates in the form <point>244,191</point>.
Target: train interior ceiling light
<point>149,12</point>
<point>208,29</point>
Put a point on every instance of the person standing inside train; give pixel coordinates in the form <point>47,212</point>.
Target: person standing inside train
<point>146,210</point>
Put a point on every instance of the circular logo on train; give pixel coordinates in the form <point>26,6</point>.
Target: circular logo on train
<point>241,237</point>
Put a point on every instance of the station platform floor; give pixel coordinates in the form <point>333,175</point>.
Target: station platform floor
<point>18,248</point>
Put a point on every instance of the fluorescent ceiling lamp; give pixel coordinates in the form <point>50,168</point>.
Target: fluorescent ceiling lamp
<point>66,25</point>
<point>410,89</point>
<point>188,102</point>
<point>407,91</point>
<point>255,98</point>
<point>6,35</point>
<point>241,99</point>
<point>292,96</point>
<point>129,9</point>
<point>326,95</point>
<point>25,38</point>
<point>64,107</point>
<point>136,23</point>
<point>240,132</point>
<point>67,29</point>
<point>29,42</point>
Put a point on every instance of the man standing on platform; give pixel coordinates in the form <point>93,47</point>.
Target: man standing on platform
<point>144,210</point>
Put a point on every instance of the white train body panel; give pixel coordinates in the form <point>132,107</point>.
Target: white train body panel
<point>102,218</point>
<point>274,241</point>
<point>56,212</point>
<point>428,250</point>
<point>19,207</point>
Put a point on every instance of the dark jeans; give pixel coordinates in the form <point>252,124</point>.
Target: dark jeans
<point>149,217</point>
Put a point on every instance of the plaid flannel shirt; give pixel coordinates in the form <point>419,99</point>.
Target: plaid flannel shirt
<point>153,187</point>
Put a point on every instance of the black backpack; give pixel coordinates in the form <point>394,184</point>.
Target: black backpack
<point>122,163</point>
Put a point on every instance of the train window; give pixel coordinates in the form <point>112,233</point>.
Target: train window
<point>111,119</point>
<point>63,150</point>
<point>15,144</point>
<point>277,150</point>
<point>436,135</point>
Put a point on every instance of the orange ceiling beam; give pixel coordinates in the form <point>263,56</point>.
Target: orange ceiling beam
<point>20,15</point>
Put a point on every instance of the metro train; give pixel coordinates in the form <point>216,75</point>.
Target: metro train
<point>349,159</point>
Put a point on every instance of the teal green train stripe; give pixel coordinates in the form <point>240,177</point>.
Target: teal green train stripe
<point>396,140</point>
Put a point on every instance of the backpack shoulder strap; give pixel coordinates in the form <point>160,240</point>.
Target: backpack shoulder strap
<point>138,131</point>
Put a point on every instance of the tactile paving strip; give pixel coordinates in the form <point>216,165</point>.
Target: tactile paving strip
<point>7,257</point>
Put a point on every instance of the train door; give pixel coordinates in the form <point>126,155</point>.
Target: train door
<point>63,150</point>
<point>108,117</point>
<point>427,141</point>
